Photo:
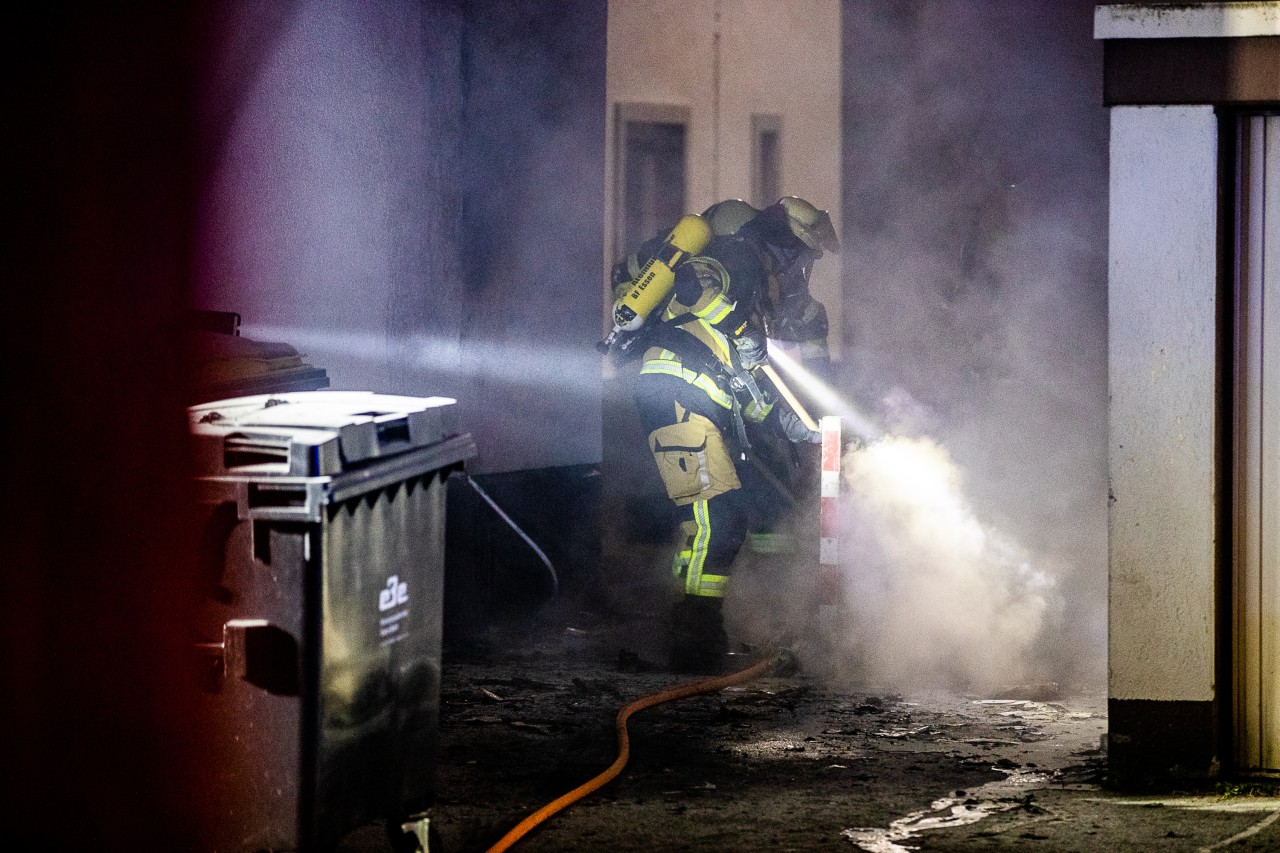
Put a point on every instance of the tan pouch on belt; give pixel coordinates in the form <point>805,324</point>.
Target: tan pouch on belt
<point>693,460</point>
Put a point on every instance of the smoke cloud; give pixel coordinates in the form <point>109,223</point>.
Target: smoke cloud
<point>974,537</point>
<point>934,597</point>
<point>976,317</point>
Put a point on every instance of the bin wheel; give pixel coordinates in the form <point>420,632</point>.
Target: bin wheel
<point>405,835</point>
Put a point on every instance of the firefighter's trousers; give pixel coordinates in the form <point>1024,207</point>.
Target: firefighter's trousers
<point>686,434</point>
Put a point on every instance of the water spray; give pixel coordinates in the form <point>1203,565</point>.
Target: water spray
<point>823,394</point>
<point>912,587</point>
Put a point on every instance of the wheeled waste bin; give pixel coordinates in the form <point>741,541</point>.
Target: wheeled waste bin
<point>319,626</point>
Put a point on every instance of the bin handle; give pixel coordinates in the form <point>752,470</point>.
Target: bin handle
<point>256,651</point>
<point>239,450</point>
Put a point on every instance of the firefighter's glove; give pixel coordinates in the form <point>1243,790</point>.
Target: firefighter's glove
<point>752,348</point>
<point>794,429</point>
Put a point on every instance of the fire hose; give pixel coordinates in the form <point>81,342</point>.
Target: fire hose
<point>790,397</point>
<point>684,691</point>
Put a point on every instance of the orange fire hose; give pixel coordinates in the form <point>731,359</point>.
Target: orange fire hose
<point>624,744</point>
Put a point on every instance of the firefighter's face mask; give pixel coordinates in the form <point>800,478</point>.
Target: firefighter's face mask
<point>794,263</point>
<point>794,280</point>
<point>789,256</point>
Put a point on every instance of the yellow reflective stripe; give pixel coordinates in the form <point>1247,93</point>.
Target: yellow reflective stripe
<point>756,413</point>
<point>698,380</point>
<point>772,543</point>
<point>680,562</point>
<point>722,343</point>
<point>716,310</point>
<point>712,390</point>
<point>673,368</point>
<point>711,586</point>
<point>698,550</point>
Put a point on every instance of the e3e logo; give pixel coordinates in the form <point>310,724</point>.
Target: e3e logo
<point>394,595</point>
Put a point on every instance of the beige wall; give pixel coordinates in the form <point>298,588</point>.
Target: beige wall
<point>774,58</point>
<point>1162,351</point>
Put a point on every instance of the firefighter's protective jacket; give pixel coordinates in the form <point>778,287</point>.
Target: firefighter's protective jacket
<point>710,316</point>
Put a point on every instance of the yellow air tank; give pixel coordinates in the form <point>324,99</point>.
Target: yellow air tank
<point>691,234</point>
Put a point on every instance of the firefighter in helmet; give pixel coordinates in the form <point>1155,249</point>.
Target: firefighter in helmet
<point>696,391</point>
<point>793,316</point>
<point>789,312</point>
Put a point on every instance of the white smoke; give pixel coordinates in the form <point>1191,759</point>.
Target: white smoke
<point>933,597</point>
<point>974,254</point>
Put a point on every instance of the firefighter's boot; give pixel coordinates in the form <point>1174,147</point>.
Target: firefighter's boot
<point>698,640</point>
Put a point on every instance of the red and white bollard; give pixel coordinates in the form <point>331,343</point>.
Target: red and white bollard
<point>829,592</point>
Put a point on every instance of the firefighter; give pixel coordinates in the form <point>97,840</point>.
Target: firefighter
<point>696,391</point>
<point>791,315</point>
<point>782,476</point>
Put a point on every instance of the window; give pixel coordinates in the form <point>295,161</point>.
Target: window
<point>650,194</point>
<point>766,159</point>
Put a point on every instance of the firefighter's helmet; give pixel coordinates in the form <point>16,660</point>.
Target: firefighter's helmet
<point>726,217</point>
<point>812,226</point>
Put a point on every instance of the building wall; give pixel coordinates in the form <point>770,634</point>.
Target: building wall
<point>411,194</point>
<point>1162,350</point>
<point>330,207</point>
<point>1162,448</point>
<point>771,58</point>
<point>1173,265</point>
<point>534,78</point>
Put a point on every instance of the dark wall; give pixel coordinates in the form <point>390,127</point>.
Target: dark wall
<point>330,206</point>
<point>532,218</point>
<point>534,76</point>
<point>412,194</point>
<point>95,510</point>
<point>301,163</point>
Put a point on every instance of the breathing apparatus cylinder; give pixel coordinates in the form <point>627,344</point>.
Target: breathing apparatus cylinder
<point>630,311</point>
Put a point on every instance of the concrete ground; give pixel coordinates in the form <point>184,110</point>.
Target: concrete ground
<point>786,763</point>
